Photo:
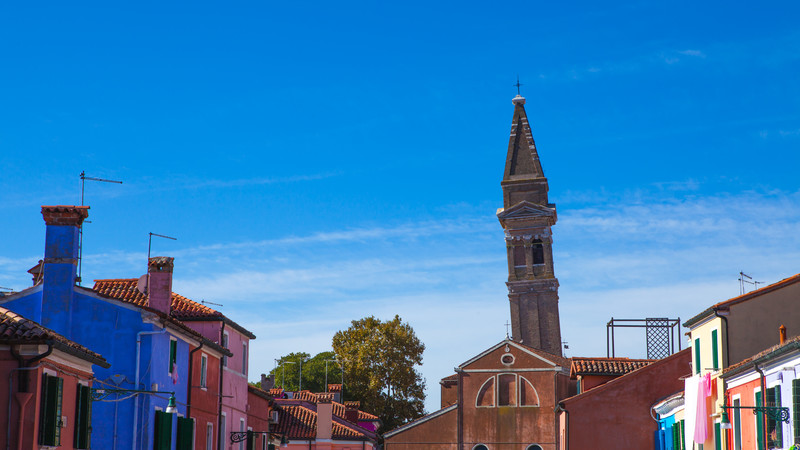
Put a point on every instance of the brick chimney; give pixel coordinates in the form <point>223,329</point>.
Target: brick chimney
<point>159,285</point>
<point>351,411</point>
<point>60,269</point>
<point>324,416</point>
<point>336,390</point>
<point>267,382</point>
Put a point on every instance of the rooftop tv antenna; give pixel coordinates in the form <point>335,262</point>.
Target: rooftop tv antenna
<point>80,230</point>
<point>747,279</point>
<point>206,302</point>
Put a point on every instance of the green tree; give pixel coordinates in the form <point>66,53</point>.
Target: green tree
<point>287,373</point>
<point>380,360</point>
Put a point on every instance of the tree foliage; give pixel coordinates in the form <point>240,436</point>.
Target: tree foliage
<point>287,373</point>
<point>380,360</point>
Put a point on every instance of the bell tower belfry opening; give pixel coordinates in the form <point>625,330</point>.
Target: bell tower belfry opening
<point>527,218</point>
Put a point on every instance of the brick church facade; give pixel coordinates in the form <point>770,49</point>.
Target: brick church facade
<point>505,397</point>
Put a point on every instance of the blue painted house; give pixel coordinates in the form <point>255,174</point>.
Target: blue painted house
<point>147,349</point>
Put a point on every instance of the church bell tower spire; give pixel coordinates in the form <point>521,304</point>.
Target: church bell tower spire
<point>527,217</point>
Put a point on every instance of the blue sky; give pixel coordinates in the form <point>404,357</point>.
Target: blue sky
<point>321,162</point>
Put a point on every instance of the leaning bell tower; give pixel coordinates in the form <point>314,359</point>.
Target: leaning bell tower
<point>527,218</point>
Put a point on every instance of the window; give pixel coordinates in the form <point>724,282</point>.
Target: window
<point>527,394</point>
<point>83,417</point>
<point>486,394</point>
<point>244,358</point>
<point>480,447</point>
<point>714,351</point>
<point>185,434</point>
<point>162,432</point>
<point>519,257</point>
<point>795,409</point>
<point>203,371</point>
<point>774,428</point>
<point>697,355</point>
<point>251,439</point>
<point>209,436</point>
<point>507,389</point>
<point>225,344</point>
<point>510,390</point>
<point>534,447</point>
<point>241,428</point>
<point>717,436</point>
<point>538,251</point>
<point>50,411</point>
<point>173,354</point>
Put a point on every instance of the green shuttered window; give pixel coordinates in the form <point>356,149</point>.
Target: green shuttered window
<point>50,412</point>
<point>162,437</point>
<point>185,433</point>
<point>714,350</point>
<point>697,355</point>
<point>796,409</point>
<point>774,428</point>
<point>83,417</point>
<point>173,354</point>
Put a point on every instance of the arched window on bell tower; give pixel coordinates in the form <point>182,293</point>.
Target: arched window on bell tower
<point>538,252</point>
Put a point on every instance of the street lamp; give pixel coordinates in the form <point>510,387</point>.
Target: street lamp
<point>100,394</point>
<point>326,371</point>
<point>300,387</point>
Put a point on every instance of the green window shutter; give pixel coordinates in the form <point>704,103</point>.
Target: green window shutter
<point>717,437</point>
<point>697,355</point>
<point>83,417</point>
<point>683,434</point>
<point>676,435</point>
<point>50,414</point>
<point>714,350</point>
<point>759,424</point>
<point>173,354</point>
<point>185,433</point>
<point>796,408</point>
<point>251,441</point>
<point>775,427</point>
<point>162,436</point>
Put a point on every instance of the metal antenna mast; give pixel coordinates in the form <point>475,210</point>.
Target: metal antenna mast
<point>80,230</point>
<point>149,245</point>
<point>746,279</point>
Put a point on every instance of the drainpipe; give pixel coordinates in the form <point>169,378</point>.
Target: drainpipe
<point>136,381</point>
<point>763,417</point>
<point>23,365</point>
<point>189,381</point>
<point>221,441</point>
<point>460,419</point>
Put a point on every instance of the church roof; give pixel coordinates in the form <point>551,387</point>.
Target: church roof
<point>522,159</point>
<point>606,366</point>
<point>553,360</point>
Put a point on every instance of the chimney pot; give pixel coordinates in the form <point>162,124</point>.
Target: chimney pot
<point>782,331</point>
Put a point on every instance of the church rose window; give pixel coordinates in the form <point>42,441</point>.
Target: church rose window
<point>486,394</point>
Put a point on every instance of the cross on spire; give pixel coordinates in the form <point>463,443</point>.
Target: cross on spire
<point>518,84</point>
<point>507,325</point>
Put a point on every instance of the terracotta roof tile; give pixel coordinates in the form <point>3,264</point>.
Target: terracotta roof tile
<point>15,329</point>
<point>299,422</point>
<point>182,308</point>
<point>338,408</point>
<point>606,366</point>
